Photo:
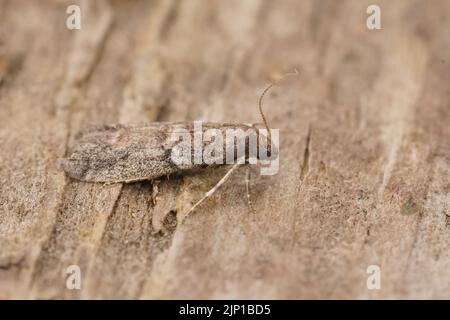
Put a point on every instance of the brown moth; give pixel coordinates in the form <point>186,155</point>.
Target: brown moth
<point>127,153</point>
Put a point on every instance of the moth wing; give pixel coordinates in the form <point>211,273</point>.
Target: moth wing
<point>121,154</point>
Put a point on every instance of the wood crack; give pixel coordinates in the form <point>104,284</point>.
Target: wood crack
<point>304,168</point>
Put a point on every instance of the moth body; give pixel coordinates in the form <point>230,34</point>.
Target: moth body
<point>131,153</point>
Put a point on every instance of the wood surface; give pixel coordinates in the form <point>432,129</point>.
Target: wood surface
<point>364,149</point>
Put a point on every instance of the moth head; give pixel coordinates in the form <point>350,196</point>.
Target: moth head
<point>268,138</point>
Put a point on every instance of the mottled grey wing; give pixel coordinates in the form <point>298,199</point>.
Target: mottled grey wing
<point>122,153</point>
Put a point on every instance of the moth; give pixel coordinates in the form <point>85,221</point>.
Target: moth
<point>129,153</point>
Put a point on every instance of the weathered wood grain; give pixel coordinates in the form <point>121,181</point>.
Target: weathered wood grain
<point>364,149</point>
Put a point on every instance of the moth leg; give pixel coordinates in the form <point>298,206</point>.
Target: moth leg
<point>155,191</point>
<point>247,187</point>
<point>214,189</point>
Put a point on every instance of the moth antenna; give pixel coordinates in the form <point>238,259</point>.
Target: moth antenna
<point>261,97</point>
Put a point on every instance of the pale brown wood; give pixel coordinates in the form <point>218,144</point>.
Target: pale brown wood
<point>364,144</point>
